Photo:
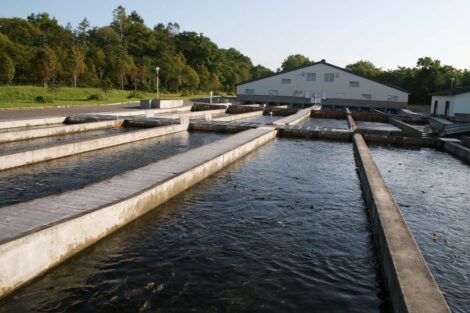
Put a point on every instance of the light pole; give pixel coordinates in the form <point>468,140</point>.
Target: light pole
<point>452,82</point>
<point>158,90</point>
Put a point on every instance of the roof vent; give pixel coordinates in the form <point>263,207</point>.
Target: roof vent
<point>323,61</point>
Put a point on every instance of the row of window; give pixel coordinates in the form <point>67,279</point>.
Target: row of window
<point>311,77</point>
<point>300,93</point>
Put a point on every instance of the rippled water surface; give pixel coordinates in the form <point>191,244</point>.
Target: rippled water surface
<point>283,230</point>
<point>265,119</point>
<point>11,147</point>
<point>46,178</point>
<point>433,191</point>
<point>326,122</point>
<point>377,126</point>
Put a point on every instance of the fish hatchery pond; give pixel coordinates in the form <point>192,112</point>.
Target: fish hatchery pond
<point>284,229</point>
<point>432,191</point>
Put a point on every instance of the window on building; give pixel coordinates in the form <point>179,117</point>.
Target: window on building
<point>392,98</point>
<point>329,77</point>
<point>249,91</point>
<point>286,81</point>
<point>273,92</point>
<point>353,84</point>
<point>367,96</point>
<point>311,77</point>
<point>298,93</point>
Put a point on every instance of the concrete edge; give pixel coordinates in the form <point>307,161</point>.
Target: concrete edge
<point>294,119</point>
<point>456,149</point>
<point>56,131</point>
<point>32,122</point>
<point>22,158</point>
<point>235,117</point>
<point>409,281</point>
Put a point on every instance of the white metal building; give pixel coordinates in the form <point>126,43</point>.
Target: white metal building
<point>453,103</point>
<point>324,83</point>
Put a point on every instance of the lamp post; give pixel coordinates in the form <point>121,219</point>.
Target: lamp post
<point>158,90</point>
<point>452,82</point>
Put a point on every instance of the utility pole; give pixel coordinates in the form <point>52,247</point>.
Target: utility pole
<point>158,82</point>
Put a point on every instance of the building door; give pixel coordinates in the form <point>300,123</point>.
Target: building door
<point>446,112</point>
<point>435,107</point>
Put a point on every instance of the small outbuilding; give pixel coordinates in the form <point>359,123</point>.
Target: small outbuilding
<point>453,103</point>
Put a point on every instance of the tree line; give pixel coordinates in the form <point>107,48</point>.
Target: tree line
<point>125,54</point>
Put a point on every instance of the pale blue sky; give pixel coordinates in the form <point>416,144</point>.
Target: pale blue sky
<point>387,32</point>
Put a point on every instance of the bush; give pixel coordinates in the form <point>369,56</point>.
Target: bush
<point>97,96</point>
<point>186,93</point>
<point>135,95</point>
<point>43,99</point>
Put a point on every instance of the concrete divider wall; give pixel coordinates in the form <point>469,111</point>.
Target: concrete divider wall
<point>293,132</point>
<point>56,131</point>
<point>29,255</point>
<point>337,114</point>
<point>456,149</point>
<point>410,284</point>
<point>406,127</point>
<point>194,114</point>
<point>59,151</point>
<point>240,116</point>
<point>294,119</point>
<point>31,122</point>
<point>237,109</point>
<point>197,106</point>
<point>149,112</point>
<point>277,111</point>
<point>400,140</point>
<point>370,117</point>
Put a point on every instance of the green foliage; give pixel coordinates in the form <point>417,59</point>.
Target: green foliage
<point>427,76</point>
<point>135,95</point>
<point>44,99</point>
<point>97,96</point>
<point>125,53</point>
<point>294,61</point>
<point>7,68</point>
<point>365,68</point>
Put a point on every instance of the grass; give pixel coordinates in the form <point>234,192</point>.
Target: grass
<point>24,96</point>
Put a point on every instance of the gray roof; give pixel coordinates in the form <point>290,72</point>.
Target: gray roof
<point>451,91</point>
<point>323,62</point>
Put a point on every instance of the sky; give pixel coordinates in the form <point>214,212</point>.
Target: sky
<point>389,33</point>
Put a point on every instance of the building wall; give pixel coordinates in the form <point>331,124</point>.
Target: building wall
<point>338,89</point>
<point>462,103</point>
<point>442,104</point>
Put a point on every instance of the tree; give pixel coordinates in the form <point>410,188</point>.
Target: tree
<point>7,68</point>
<point>138,75</point>
<point>82,31</point>
<point>77,64</point>
<point>119,21</point>
<point>122,66</point>
<point>98,58</point>
<point>293,61</point>
<point>260,71</point>
<point>46,64</point>
<point>107,85</point>
<point>365,68</point>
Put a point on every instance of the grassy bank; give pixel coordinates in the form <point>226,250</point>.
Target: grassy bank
<point>27,96</point>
